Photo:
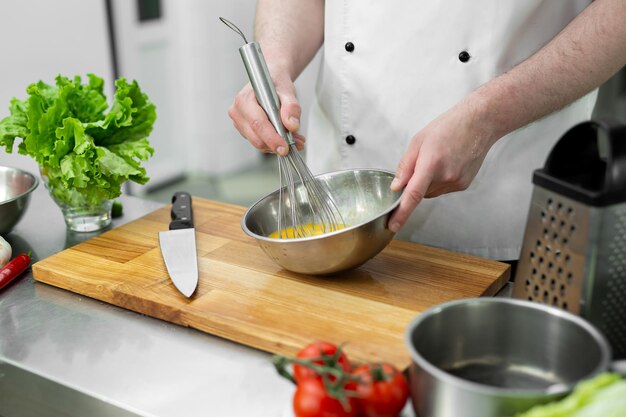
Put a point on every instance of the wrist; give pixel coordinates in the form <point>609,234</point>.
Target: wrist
<point>480,122</point>
<point>490,115</point>
<point>278,63</point>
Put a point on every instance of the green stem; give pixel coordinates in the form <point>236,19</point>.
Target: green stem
<point>378,374</point>
<point>335,389</point>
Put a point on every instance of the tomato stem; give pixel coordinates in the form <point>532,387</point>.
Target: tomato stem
<point>378,373</point>
<point>336,389</point>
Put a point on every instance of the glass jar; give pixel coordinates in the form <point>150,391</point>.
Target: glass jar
<point>79,215</point>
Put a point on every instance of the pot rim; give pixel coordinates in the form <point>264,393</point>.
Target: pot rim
<point>557,389</point>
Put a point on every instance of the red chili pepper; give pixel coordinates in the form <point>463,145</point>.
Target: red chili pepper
<point>13,269</point>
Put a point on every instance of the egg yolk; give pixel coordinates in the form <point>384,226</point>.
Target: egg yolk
<point>305,230</point>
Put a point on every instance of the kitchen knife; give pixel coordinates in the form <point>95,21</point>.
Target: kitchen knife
<point>178,245</point>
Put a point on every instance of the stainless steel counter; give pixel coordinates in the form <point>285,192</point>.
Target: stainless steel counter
<point>62,354</point>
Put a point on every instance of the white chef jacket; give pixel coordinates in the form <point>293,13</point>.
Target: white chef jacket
<point>390,67</point>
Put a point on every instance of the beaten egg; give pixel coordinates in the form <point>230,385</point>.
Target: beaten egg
<point>306,230</point>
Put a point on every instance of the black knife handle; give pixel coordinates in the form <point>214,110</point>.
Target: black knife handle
<point>182,216</point>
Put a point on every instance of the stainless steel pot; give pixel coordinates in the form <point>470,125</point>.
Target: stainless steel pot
<point>494,357</point>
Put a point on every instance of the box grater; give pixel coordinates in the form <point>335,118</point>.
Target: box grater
<point>574,250</point>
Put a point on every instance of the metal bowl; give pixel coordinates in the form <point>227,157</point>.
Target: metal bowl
<point>365,201</point>
<point>493,357</point>
<point>15,188</point>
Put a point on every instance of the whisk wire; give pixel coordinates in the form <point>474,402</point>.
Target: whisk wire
<point>310,206</point>
<point>312,209</point>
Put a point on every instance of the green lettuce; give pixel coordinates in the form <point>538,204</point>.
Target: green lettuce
<point>601,396</point>
<point>85,151</point>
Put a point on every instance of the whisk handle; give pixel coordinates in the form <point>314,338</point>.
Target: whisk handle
<point>263,86</point>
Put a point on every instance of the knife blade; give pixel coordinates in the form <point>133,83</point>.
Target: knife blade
<point>178,245</point>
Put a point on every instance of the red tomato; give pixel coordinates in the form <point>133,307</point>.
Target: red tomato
<point>382,391</point>
<point>323,353</point>
<point>312,400</point>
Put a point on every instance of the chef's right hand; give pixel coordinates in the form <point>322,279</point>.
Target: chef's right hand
<point>251,121</point>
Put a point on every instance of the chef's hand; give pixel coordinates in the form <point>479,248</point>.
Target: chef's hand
<point>251,121</point>
<point>442,158</point>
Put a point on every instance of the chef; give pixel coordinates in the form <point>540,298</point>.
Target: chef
<point>461,99</point>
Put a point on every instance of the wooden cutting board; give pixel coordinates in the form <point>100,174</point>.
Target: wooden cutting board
<point>244,296</point>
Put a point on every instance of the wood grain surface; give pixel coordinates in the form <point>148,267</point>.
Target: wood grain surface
<point>245,297</point>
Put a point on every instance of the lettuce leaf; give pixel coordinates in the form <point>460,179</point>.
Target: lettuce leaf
<point>601,396</point>
<point>85,152</point>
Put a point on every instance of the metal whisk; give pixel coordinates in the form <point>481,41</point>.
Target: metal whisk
<point>308,208</point>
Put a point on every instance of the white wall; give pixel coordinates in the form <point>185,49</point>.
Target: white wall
<point>40,39</point>
<point>210,58</point>
<point>213,73</point>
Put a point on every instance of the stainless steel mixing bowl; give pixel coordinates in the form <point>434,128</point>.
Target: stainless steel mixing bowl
<point>494,357</point>
<point>15,188</point>
<point>365,202</point>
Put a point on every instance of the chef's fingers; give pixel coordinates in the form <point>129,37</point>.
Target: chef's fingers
<point>245,130</point>
<point>290,110</point>
<point>252,122</point>
<point>406,167</point>
<point>299,141</point>
<point>412,195</point>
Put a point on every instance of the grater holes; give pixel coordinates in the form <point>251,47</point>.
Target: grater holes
<point>549,257</point>
<point>618,250</point>
<point>613,313</point>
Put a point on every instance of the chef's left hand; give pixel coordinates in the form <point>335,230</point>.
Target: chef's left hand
<point>442,158</point>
